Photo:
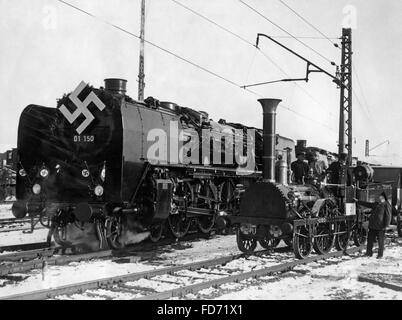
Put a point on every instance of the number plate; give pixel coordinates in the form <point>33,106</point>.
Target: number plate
<point>84,139</point>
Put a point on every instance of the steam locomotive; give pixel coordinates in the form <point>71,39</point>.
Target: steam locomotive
<point>306,217</point>
<point>102,168</point>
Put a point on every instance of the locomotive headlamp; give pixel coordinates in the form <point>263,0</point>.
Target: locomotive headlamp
<point>22,173</point>
<point>85,173</point>
<point>99,191</point>
<point>103,174</point>
<point>44,173</point>
<point>36,189</point>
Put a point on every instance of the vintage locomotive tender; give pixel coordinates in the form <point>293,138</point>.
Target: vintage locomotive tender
<point>304,216</point>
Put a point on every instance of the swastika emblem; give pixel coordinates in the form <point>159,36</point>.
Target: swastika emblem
<point>82,107</point>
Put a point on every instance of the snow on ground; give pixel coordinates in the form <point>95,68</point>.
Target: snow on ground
<point>317,282</point>
<point>56,276</point>
<point>18,237</point>
<point>180,253</point>
<point>5,211</point>
<point>188,252</point>
<point>314,281</point>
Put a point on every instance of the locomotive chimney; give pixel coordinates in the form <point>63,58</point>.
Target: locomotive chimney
<point>269,137</point>
<point>118,86</point>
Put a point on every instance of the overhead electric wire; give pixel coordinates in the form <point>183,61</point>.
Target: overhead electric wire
<point>251,44</point>
<point>287,32</point>
<point>363,106</point>
<point>303,37</point>
<point>309,23</point>
<point>213,22</point>
<point>157,46</point>
<point>361,88</point>
<point>183,59</point>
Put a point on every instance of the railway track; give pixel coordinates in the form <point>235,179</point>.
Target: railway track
<point>46,257</point>
<point>13,224</point>
<point>27,254</point>
<point>27,257</point>
<point>13,220</point>
<point>24,247</point>
<point>183,279</point>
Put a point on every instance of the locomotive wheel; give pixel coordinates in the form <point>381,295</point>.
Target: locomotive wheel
<point>342,240</point>
<point>359,235</point>
<point>205,224</point>
<point>324,241</point>
<point>301,242</point>
<point>156,232</point>
<point>205,198</point>
<point>114,229</point>
<point>399,224</point>
<point>226,196</point>
<point>244,243</point>
<point>269,243</point>
<point>177,220</point>
<point>178,225</point>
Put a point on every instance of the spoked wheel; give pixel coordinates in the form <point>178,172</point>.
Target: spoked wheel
<point>156,232</point>
<point>269,243</point>
<point>244,243</point>
<point>359,235</point>
<point>179,225</point>
<point>301,242</point>
<point>343,236</point>
<point>324,239</point>
<point>227,196</point>
<point>204,197</point>
<point>114,230</point>
<point>399,224</point>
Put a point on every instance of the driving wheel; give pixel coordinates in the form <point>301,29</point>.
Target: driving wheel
<point>343,236</point>
<point>301,242</point>
<point>114,230</point>
<point>156,232</point>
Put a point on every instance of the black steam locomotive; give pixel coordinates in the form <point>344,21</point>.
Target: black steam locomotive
<point>100,171</point>
<point>315,216</point>
<point>90,168</point>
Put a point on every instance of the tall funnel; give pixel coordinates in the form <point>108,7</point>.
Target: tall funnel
<point>269,137</point>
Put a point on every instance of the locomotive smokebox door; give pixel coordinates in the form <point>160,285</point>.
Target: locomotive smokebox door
<point>164,194</point>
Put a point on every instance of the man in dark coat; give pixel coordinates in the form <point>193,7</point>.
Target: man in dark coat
<point>336,170</point>
<point>380,218</point>
<point>318,167</point>
<point>300,169</point>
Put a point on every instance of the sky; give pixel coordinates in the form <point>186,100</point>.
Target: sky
<point>47,48</point>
